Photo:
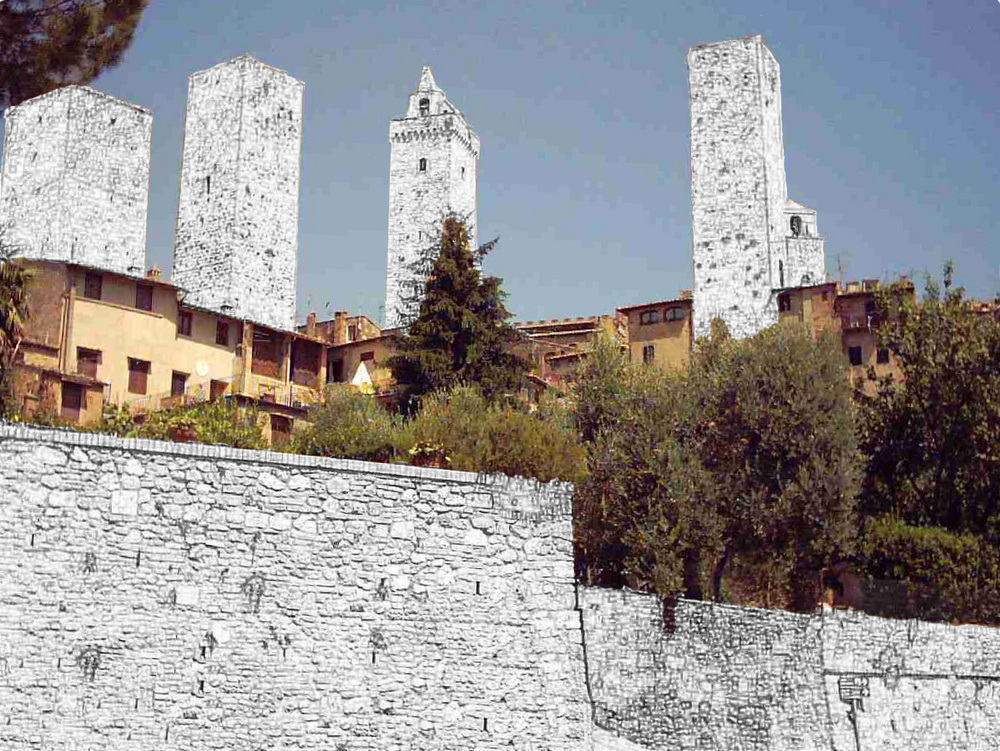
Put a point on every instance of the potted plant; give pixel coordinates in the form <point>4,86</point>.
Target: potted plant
<point>182,428</point>
<point>427,454</point>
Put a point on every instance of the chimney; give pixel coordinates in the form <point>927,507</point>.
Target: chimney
<point>685,294</point>
<point>155,273</point>
<point>311,324</point>
<point>340,327</point>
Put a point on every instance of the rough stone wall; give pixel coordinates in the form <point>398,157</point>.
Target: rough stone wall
<point>236,243</point>
<point>419,200</point>
<point>75,179</point>
<point>712,676</point>
<point>805,261</point>
<point>725,678</point>
<point>178,596</point>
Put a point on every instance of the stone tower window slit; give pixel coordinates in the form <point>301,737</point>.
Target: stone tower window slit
<point>423,165</point>
<point>208,185</point>
<point>425,107</point>
<point>478,591</point>
<point>781,273</point>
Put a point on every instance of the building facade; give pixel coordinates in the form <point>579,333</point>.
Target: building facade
<point>661,333</point>
<point>433,165</point>
<point>236,243</point>
<point>746,242</point>
<point>74,183</point>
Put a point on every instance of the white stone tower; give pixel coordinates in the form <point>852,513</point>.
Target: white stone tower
<point>236,242</point>
<point>74,185</point>
<point>741,232</point>
<point>432,171</point>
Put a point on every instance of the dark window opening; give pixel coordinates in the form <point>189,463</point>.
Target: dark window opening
<point>854,353</point>
<point>781,273</point>
<point>72,402</point>
<point>368,356</point>
<point>796,225</point>
<point>92,286</point>
<point>463,171</point>
<point>305,363</point>
<point>222,333</point>
<point>143,297</point>
<point>184,321</point>
<point>649,316</point>
<point>138,375</point>
<point>335,371</point>
<point>266,359</point>
<point>178,382</point>
<point>648,354</point>
<point>869,307</point>
<point>425,107</point>
<point>882,356</point>
<point>208,185</point>
<point>281,431</point>
<point>784,303</point>
<point>673,314</point>
<point>423,165</point>
<point>352,332</point>
<point>87,361</point>
<point>216,389</point>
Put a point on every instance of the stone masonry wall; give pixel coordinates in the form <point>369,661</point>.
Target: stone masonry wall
<point>236,242</point>
<point>419,200</point>
<point>179,596</point>
<point>703,676</point>
<point>74,183</point>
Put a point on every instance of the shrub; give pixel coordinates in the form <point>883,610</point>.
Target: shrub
<point>481,437</point>
<point>930,573</point>
<point>350,425</point>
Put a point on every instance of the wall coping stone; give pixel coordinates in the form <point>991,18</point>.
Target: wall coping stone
<point>23,431</point>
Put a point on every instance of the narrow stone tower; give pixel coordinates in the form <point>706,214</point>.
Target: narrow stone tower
<point>432,171</point>
<point>74,185</point>
<point>738,192</point>
<point>236,242</point>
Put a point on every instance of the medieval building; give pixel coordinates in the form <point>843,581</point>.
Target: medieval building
<point>432,172</point>
<point>749,239</point>
<point>236,244</point>
<point>75,179</point>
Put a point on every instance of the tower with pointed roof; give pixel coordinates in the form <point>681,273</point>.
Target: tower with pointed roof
<point>74,182</point>
<point>236,242</point>
<point>749,239</point>
<point>434,154</point>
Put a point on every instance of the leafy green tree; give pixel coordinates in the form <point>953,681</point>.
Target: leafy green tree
<point>930,438</point>
<point>350,425</point>
<point>462,333</point>
<point>14,281</point>
<point>745,466</point>
<point>45,44</point>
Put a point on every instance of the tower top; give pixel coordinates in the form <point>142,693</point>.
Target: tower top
<point>427,82</point>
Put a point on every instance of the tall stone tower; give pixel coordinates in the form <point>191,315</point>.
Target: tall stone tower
<point>432,171</point>
<point>741,220</point>
<point>74,185</point>
<point>236,242</point>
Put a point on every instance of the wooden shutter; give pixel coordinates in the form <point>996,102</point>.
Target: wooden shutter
<point>72,401</point>
<point>138,373</point>
<point>143,297</point>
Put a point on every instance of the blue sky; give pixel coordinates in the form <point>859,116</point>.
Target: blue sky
<point>891,117</point>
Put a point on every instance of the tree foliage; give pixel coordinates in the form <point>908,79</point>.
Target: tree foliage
<point>933,458</point>
<point>14,280</point>
<point>746,463</point>
<point>45,44</point>
<point>462,333</point>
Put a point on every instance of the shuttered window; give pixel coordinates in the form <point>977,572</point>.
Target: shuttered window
<point>143,297</point>
<point>87,361</point>
<point>72,402</point>
<point>92,285</point>
<point>138,375</point>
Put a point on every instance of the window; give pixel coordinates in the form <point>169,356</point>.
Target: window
<point>882,356</point>
<point>184,321</point>
<point>352,332</point>
<point>423,165</point>
<point>869,306</point>
<point>138,375</point>
<point>92,285</point>
<point>281,431</point>
<point>463,171</point>
<point>425,107</point>
<point>87,361</point>
<point>335,371</point>
<point>854,353</point>
<point>781,273</point>
<point>368,356</point>
<point>649,316</point>
<point>143,297</point>
<point>216,389</point>
<point>72,401</point>
<point>673,314</point>
<point>796,225</point>
<point>222,333</point>
<point>648,354</point>
<point>784,303</point>
<point>178,382</point>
